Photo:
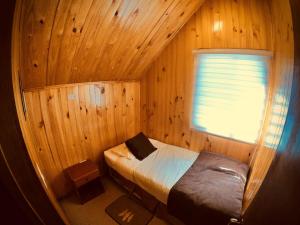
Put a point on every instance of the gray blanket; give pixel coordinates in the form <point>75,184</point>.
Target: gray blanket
<point>210,192</point>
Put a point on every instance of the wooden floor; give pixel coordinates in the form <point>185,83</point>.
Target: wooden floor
<point>93,212</point>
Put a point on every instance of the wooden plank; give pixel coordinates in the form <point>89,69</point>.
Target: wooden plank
<point>177,14</point>
<point>67,33</point>
<point>36,26</point>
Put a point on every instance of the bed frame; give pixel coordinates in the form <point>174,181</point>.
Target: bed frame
<point>147,200</point>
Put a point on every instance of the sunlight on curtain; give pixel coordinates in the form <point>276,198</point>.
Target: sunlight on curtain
<point>277,121</point>
<point>230,95</point>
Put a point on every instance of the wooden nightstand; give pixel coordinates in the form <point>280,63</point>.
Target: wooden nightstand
<point>86,179</point>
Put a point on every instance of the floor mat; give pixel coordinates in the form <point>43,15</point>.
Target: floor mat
<point>127,211</point>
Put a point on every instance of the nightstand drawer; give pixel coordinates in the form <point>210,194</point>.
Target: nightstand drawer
<point>86,179</point>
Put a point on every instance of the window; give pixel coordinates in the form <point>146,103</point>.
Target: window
<point>230,93</point>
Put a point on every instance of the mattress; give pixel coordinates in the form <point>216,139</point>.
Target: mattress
<point>160,171</point>
<point>122,165</point>
<point>157,173</point>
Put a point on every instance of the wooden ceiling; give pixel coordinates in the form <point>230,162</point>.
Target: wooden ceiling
<point>70,41</point>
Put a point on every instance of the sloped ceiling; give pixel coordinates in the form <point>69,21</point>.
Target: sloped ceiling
<point>70,41</point>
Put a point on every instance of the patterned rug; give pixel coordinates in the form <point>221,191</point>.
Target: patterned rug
<point>126,211</point>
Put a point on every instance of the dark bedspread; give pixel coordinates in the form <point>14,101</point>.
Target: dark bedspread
<point>210,192</point>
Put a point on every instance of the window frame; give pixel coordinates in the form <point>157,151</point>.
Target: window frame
<point>269,87</point>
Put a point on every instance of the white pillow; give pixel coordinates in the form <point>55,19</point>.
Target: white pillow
<point>123,151</point>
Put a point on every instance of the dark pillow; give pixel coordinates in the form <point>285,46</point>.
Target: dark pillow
<point>140,146</point>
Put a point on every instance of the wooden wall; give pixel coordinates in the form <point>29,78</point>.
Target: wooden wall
<point>72,41</point>
<point>283,64</point>
<point>27,133</point>
<point>277,201</point>
<point>71,123</point>
<point>166,89</point>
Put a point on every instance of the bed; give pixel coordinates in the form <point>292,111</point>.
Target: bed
<point>147,174</point>
<point>186,182</point>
